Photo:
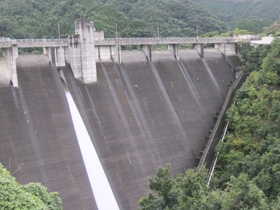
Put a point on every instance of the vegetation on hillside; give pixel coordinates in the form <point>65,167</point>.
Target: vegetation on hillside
<point>252,15</point>
<point>253,143</point>
<point>248,172</point>
<point>29,196</point>
<point>274,29</point>
<point>138,18</point>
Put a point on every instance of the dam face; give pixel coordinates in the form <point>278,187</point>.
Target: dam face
<point>139,114</point>
<point>38,142</point>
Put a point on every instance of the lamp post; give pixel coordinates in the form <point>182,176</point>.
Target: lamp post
<point>58,26</point>
<point>116,30</point>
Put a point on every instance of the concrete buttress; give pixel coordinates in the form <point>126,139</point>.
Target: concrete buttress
<point>227,48</point>
<point>148,51</point>
<point>175,49</point>
<point>200,49</point>
<point>11,54</point>
<point>87,50</point>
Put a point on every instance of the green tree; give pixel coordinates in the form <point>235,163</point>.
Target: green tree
<point>31,196</point>
<point>162,195</point>
<point>189,191</point>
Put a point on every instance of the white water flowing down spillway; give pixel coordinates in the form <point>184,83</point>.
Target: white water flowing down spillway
<point>100,186</point>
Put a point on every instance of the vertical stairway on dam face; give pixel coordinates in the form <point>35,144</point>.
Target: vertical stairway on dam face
<point>130,118</point>
<point>37,137</point>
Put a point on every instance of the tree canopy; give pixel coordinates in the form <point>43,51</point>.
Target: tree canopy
<point>251,15</point>
<point>139,18</point>
<point>32,196</point>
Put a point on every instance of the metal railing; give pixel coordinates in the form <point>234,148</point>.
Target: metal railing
<point>165,40</point>
<point>4,41</point>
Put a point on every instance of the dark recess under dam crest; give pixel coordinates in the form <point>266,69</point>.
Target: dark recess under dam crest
<point>139,114</point>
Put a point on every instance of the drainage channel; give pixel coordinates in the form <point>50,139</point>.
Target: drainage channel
<point>100,186</point>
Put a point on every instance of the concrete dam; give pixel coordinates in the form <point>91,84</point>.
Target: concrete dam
<point>140,114</point>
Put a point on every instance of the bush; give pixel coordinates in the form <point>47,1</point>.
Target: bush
<point>30,196</point>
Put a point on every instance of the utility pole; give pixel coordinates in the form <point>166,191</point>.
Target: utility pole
<point>116,30</point>
<point>196,31</point>
<point>158,31</point>
<point>58,25</point>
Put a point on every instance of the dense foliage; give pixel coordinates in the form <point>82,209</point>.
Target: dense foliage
<point>30,196</point>
<point>274,29</point>
<point>245,14</point>
<point>248,171</point>
<point>253,143</point>
<point>40,18</point>
<point>189,191</point>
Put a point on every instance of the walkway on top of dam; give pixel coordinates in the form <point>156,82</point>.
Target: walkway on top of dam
<point>27,43</point>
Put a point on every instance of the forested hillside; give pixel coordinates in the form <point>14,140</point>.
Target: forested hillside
<point>138,18</point>
<point>245,14</point>
<point>274,29</point>
<point>248,171</point>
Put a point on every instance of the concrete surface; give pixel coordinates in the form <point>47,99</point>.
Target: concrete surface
<point>5,74</point>
<point>38,142</point>
<point>141,115</point>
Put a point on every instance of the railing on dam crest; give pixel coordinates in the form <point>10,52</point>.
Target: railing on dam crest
<point>25,43</point>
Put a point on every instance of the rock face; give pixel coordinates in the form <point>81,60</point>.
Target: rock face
<point>139,115</point>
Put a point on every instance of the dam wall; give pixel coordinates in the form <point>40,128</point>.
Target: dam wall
<point>38,142</point>
<point>142,114</point>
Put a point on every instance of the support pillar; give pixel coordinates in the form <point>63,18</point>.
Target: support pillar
<point>74,53</point>
<point>148,51</point>
<point>175,49</point>
<point>59,55</point>
<point>119,49</point>
<point>11,54</point>
<point>200,49</point>
<point>116,53</point>
<point>48,51</point>
<point>221,48</point>
<point>82,52</point>
<point>85,30</point>
<point>227,48</point>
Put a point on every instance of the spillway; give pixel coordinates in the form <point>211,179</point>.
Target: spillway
<point>100,186</point>
<point>139,115</point>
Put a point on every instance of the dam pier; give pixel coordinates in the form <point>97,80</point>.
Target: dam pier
<point>141,109</point>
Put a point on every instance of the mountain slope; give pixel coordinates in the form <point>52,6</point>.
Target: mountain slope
<point>246,14</point>
<point>273,29</point>
<point>39,19</point>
